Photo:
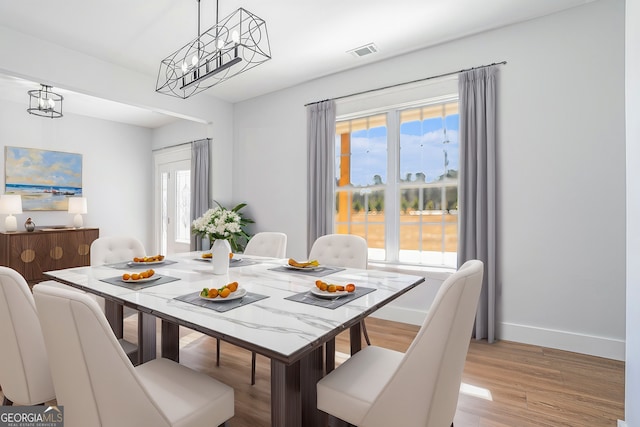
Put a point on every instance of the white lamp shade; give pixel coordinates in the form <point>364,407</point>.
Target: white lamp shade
<point>10,204</point>
<point>77,205</point>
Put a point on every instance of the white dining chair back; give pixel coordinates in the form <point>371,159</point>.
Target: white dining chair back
<point>267,244</point>
<point>98,385</point>
<point>113,249</point>
<point>340,250</point>
<point>105,250</point>
<point>24,366</point>
<point>381,387</point>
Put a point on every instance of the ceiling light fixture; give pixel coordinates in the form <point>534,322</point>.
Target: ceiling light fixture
<point>45,103</point>
<point>232,46</point>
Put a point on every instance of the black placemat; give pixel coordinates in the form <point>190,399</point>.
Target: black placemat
<point>137,286</point>
<point>222,306</point>
<point>316,272</point>
<point>309,298</point>
<point>125,264</point>
<point>240,262</point>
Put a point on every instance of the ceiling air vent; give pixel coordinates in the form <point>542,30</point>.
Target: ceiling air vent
<point>363,50</point>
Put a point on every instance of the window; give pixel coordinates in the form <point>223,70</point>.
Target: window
<point>397,183</point>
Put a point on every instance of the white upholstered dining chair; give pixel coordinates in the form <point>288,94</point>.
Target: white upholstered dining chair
<point>106,250</point>
<point>99,386</point>
<point>268,244</point>
<point>380,387</point>
<point>24,367</point>
<point>342,250</point>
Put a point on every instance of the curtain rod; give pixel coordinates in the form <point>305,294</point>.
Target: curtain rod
<point>181,144</point>
<point>406,83</point>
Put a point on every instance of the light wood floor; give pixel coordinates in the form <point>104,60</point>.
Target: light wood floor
<point>504,384</point>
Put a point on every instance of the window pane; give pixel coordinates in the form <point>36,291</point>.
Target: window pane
<point>183,208</point>
<point>361,151</point>
<point>361,212</point>
<point>424,155</point>
<point>164,185</point>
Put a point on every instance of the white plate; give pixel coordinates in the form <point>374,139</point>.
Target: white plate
<point>326,294</point>
<point>138,264</point>
<point>148,279</point>
<point>239,293</point>
<point>303,268</point>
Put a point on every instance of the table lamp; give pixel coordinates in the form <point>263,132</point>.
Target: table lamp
<point>78,206</point>
<point>11,204</point>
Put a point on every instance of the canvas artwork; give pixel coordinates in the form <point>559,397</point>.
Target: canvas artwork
<point>44,179</point>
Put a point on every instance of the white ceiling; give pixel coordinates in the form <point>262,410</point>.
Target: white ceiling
<point>309,39</point>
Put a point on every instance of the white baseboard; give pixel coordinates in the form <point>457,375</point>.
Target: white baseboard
<point>570,341</point>
<point>622,423</point>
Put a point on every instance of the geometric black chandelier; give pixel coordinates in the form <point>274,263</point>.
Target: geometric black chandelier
<point>44,103</point>
<point>232,46</point>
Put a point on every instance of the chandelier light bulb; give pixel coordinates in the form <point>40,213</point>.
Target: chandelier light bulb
<point>184,67</point>
<point>235,36</point>
<point>51,103</point>
<point>220,43</point>
<point>40,103</point>
<point>194,60</point>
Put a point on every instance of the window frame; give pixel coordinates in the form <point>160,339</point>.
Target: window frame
<point>392,190</point>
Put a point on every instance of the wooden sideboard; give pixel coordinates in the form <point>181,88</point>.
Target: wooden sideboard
<point>32,253</point>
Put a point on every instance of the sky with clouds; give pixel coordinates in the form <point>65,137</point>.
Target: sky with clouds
<point>422,150</point>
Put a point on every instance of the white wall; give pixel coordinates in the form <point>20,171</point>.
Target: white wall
<point>632,368</point>
<point>561,168</point>
<point>116,166</point>
<point>219,128</point>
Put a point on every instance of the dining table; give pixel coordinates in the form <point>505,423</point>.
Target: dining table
<point>277,311</point>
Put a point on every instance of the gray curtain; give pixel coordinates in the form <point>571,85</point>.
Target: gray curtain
<point>321,130</point>
<point>199,184</point>
<point>477,191</point>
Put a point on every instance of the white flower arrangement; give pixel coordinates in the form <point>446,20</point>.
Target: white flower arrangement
<point>221,223</point>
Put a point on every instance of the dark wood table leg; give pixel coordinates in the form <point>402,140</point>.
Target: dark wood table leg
<point>285,395</point>
<point>311,371</point>
<point>146,337</point>
<point>114,313</point>
<point>355,337</point>
<point>330,347</point>
<point>170,341</point>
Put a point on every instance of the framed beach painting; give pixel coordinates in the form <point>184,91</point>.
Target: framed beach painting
<point>44,179</point>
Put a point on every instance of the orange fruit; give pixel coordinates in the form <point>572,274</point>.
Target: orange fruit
<point>151,272</point>
<point>339,288</point>
<point>224,292</point>
<point>126,276</point>
<point>135,276</point>
<point>331,288</point>
<point>213,293</point>
<point>323,286</point>
<point>144,275</point>
<point>230,255</point>
<point>319,284</point>
<point>350,287</point>
<point>233,286</point>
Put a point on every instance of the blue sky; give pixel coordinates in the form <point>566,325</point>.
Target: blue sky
<point>421,150</point>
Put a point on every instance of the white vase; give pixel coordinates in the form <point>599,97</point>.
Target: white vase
<point>220,259</point>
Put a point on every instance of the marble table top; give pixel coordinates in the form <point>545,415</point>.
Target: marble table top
<point>275,326</point>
